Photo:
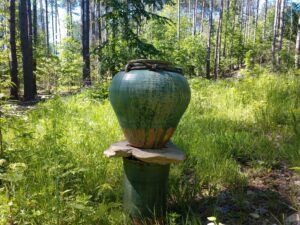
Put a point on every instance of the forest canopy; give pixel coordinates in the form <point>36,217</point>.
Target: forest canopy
<point>50,43</point>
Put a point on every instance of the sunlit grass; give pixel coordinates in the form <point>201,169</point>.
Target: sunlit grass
<point>56,172</point>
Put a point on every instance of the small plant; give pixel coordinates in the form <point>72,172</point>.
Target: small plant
<point>213,221</point>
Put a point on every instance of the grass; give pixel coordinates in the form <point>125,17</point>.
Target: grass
<point>53,169</point>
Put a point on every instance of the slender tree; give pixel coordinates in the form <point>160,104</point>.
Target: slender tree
<point>31,37</point>
<point>220,39</point>
<point>297,50</point>
<point>275,27</point>
<point>52,24</point>
<point>47,26</point>
<point>202,15</point>
<point>226,26</point>
<point>14,90</point>
<point>209,40</point>
<point>255,21</point>
<point>35,26</point>
<point>291,33</point>
<point>30,26</point>
<point>98,23</point>
<point>195,18</point>
<point>265,19</point>
<point>42,16</point>
<point>26,52</point>
<point>35,40</point>
<point>281,29</point>
<point>85,30</point>
<point>56,22</point>
<point>178,19</point>
<point>93,22</point>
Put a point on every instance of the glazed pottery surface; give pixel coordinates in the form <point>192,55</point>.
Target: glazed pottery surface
<point>149,105</point>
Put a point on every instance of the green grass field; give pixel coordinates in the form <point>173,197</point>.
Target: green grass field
<point>53,170</point>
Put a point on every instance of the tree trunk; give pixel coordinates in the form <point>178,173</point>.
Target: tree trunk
<point>14,90</point>
<point>35,35</point>
<point>26,52</point>
<point>98,24</point>
<point>52,26</point>
<point>35,40</point>
<point>47,27</point>
<point>255,22</point>
<point>275,31</point>
<point>178,19</point>
<point>56,22</point>
<point>226,26</point>
<point>42,16</point>
<point>93,23</point>
<point>209,40</point>
<point>290,36</point>
<point>281,29</point>
<point>220,38</point>
<point>85,16</point>
<point>265,19</point>
<point>189,12</point>
<point>29,19</point>
<point>202,15</point>
<point>195,18</point>
<point>297,50</point>
<point>30,30</point>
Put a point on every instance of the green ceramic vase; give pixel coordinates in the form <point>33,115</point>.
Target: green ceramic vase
<point>149,98</point>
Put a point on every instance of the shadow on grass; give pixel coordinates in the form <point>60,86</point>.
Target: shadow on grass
<point>250,207</point>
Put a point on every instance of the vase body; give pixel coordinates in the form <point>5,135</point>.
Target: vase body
<point>149,105</point>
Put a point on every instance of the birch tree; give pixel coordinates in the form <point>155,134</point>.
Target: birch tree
<point>297,50</point>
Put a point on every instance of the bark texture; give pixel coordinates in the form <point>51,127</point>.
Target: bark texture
<point>14,90</point>
<point>85,35</point>
<point>26,49</point>
<point>209,40</point>
<point>297,50</point>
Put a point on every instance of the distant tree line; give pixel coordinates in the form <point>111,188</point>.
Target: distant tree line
<point>207,38</point>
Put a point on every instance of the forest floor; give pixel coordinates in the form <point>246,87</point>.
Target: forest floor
<point>270,195</point>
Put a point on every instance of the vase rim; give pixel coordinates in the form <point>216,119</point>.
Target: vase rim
<point>149,64</point>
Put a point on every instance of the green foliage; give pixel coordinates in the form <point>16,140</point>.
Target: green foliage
<point>54,170</point>
<point>98,92</point>
<point>124,43</point>
<point>71,62</point>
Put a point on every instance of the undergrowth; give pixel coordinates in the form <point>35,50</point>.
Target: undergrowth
<point>53,170</point>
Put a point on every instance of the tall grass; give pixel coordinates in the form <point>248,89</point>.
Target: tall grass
<point>55,172</point>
